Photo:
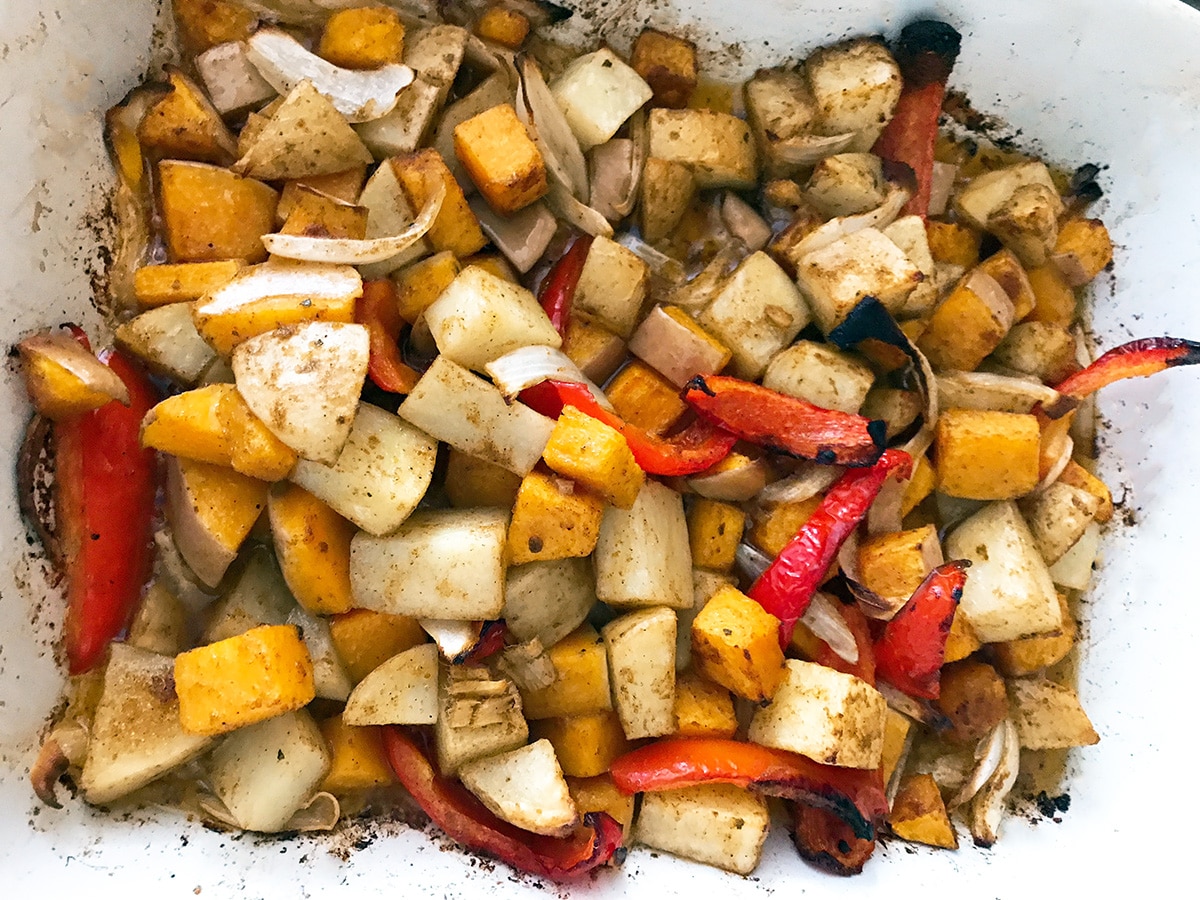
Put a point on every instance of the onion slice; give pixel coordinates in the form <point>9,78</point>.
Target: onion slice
<point>350,251</point>
<point>941,186</point>
<point>823,619</point>
<point>577,214</point>
<point>988,390</point>
<point>527,366</point>
<point>660,264</point>
<point>750,561</point>
<point>988,754</point>
<point>987,807</point>
<point>359,95</point>
<point>810,149</point>
<point>806,482</point>
<point>836,229</point>
<point>540,113</point>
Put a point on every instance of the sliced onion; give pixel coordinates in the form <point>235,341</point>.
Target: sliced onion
<point>1064,451</point>
<point>350,251</point>
<point>987,807</point>
<point>361,95</point>
<point>64,351</point>
<point>750,561</point>
<point>806,482</point>
<point>987,390</point>
<point>836,229</point>
<point>660,264</point>
<point>611,177</point>
<point>639,135</point>
<point>893,785</point>
<point>527,366</point>
<point>320,813</point>
<point>920,710</point>
<point>733,485</point>
<point>577,214</point>
<point>454,638</point>
<point>540,113</point>
<point>988,754</point>
<point>810,149</point>
<point>941,186</point>
<point>297,12</point>
<point>824,619</point>
<point>884,515</point>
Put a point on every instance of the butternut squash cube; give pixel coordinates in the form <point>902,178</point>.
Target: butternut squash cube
<point>895,740</point>
<point>714,532</point>
<point>206,23</point>
<point>585,744</point>
<point>315,214</point>
<point>501,159</point>
<point>256,675</point>
<point>182,282</point>
<point>184,125</point>
<point>986,455</point>
<point>1012,277</point>
<point>505,26</point>
<point>364,639</point>
<point>644,398</point>
<point>919,814</point>
<point>596,456</point>
<point>735,642</point>
<point>596,350</point>
<point>600,794</point>
<point>553,519</point>
<point>668,65</point>
<point>1054,298</point>
<point>419,284</point>
<point>209,213</point>
<point>456,228</point>
<point>364,37</point>
<point>771,532</point>
<point>893,565</point>
<point>953,242</point>
<point>1025,656</point>
<point>1083,250</point>
<point>254,449</point>
<point>968,324</point>
<point>359,762</point>
<point>919,486</point>
<point>471,481</point>
<point>312,543</point>
<point>189,425</point>
<point>346,186</point>
<point>581,685</point>
<point>962,640</point>
<point>702,708</point>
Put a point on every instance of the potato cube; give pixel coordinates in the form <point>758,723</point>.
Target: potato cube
<point>671,342</point>
<point>506,27</point>
<point>919,814</point>
<point>1027,656</point>
<point>735,642</point>
<point>845,184</point>
<point>315,214</point>
<point>612,286</point>
<point>702,708</point>
<point>585,744</point>
<point>1054,298</point>
<point>456,228</point>
<point>1082,251</point>
<point>1058,517</point>
<point>1044,350</point>
<point>254,676</point>
<point>865,263</point>
<point>162,285</point>
<point>641,664</point>
<point>599,794</point>
<point>184,125</point>
<point>419,284</point>
<point>779,106</point>
<point>986,455</point>
<point>988,192</point>
<point>501,159</point>
<point>582,683</point>
<point>471,481</point>
<point>756,313</point>
<point>1027,222</point>
<point>642,557</point>
<point>855,85</point>
<point>364,37</point>
<point>1008,272</point>
<point>826,715</point>
<point>312,543</point>
<point>553,518</point>
<point>359,762</point>
<point>716,146</point>
<point>209,213</point>
<point>1049,716</point>
<point>714,532</point>
<point>597,93</point>
<point>595,455</point>
<point>595,349</point>
<point>821,374</point>
<point>667,190</point>
<point>893,565</point>
<point>234,85</point>
<point>364,639</point>
<point>524,787</point>
<point>1077,476</point>
<point>717,824</point>
<point>546,601</point>
<point>668,64</point>
<point>953,242</point>
<point>773,528</point>
<point>645,399</point>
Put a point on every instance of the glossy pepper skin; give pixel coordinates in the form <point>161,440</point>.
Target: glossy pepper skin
<point>854,796</point>
<point>1146,356</point>
<point>466,820</point>
<point>786,588</point>
<point>379,311</point>
<point>828,842</point>
<point>696,448</point>
<point>558,289</point>
<point>786,424</point>
<point>105,486</point>
<point>912,649</point>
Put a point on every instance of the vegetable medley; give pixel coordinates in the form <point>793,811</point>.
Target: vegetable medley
<point>528,431</point>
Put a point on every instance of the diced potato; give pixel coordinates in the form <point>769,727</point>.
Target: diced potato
<point>986,455</point>
<point>185,125</point>
<point>181,282</point>
<point>365,639</point>
<point>455,229</point>
<point>826,715</point>
<point>357,758</point>
<point>668,65</point>
<point>1042,350</point>
<point>1054,298</point>
<point>253,676</point>
<point>855,85</point>
<point>1008,272</point>
<point>166,339</point>
<point>894,564</point>
<point>919,814</point>
<point>440,564</point>
<point>642,557</point>
<point>330,678</point>
<point>772,529</point>
<point>985,193</point>
<point>160,624</point>
<point>599,794</point>
<point>716,824</point>
<point>476,482</point>
<point>381,474</point>
<point>779,106</point>
<point>312,543</point>
<point>480,317</point>
<point>641,662</point>
<point>314,214</point>
<point>667,190</point>
<point>259,596</point>
<point>820,374</point>
<point>612,286</point>
<point>421,283</point>
<point>864,263</point>
<point>399,691</point>
<point>507,27</point>
<point>845,184</point>
<point>585,744</point>
<point>1082,250</point>
<point>909,234</point>
<point>596,350</point>
<point>363,37</point>
<point>478,716</point>
<point>553,518</point>
<point>211,510</point>
<point>234,84</point>
<point>1058,516</point>
<point>524,787</point>
<point>582,683</point>
<point>644,399</point>
<point>1077,476</point>
<point>205,23</point>
<point>1009,593</point>
<point>735,642</point>
<point>1027,222</point>
<point>546,601</point>
<point>671,342</point>
<point>597,93</point>
<point>501,158</point>
<point>596,456</point>
<point>1049,716</point>
<point>702,708</point>
<point>756,313</point>
<point>716,146</point>
<point>522,238</point>
<point>1027,656</point>
<point>209,213</point>
<point>714,532</point>
<point>953,242</point>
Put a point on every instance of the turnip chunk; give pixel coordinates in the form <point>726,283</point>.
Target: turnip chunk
<point>642,556</point>
<point>381,475</point>
<point>524,787</point>
<point>304,382</point>
<point>165,338</point>
<point>401,691</point>
<point>360,96</point>
<point>232,82</point>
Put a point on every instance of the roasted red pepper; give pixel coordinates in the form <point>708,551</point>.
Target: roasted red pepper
<point>696,448</point>
<point>459,813</point>
<point>912,649</point>
<point>828,842</point>
<point>1146,356</point>
<point>105,485</point>
<point>379,311</point>
<point>491,641</point>
<point>786,424</point>
<point>558,289</point>
<point>853,795</point>
<point>786,588</point>
<point>926,53</point>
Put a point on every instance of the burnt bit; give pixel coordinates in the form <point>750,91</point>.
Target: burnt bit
<point>699,384</point>
<point>927,50</point>
<point>1051,806</point>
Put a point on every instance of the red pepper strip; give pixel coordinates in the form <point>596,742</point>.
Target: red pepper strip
<point>926,53</point>
<point>491,641</point>
<point>378,310</point>
<point>558,290</point>
<point>1146,356</point>
<point>912,650</point>
<point>105,487</point>
<point>860,627</point>
<point>853,795</point>
<point>786,588</point>
<point>786,424</point>
<point>696,448</point>
<point>828,842</point>
<point>459,813</point>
